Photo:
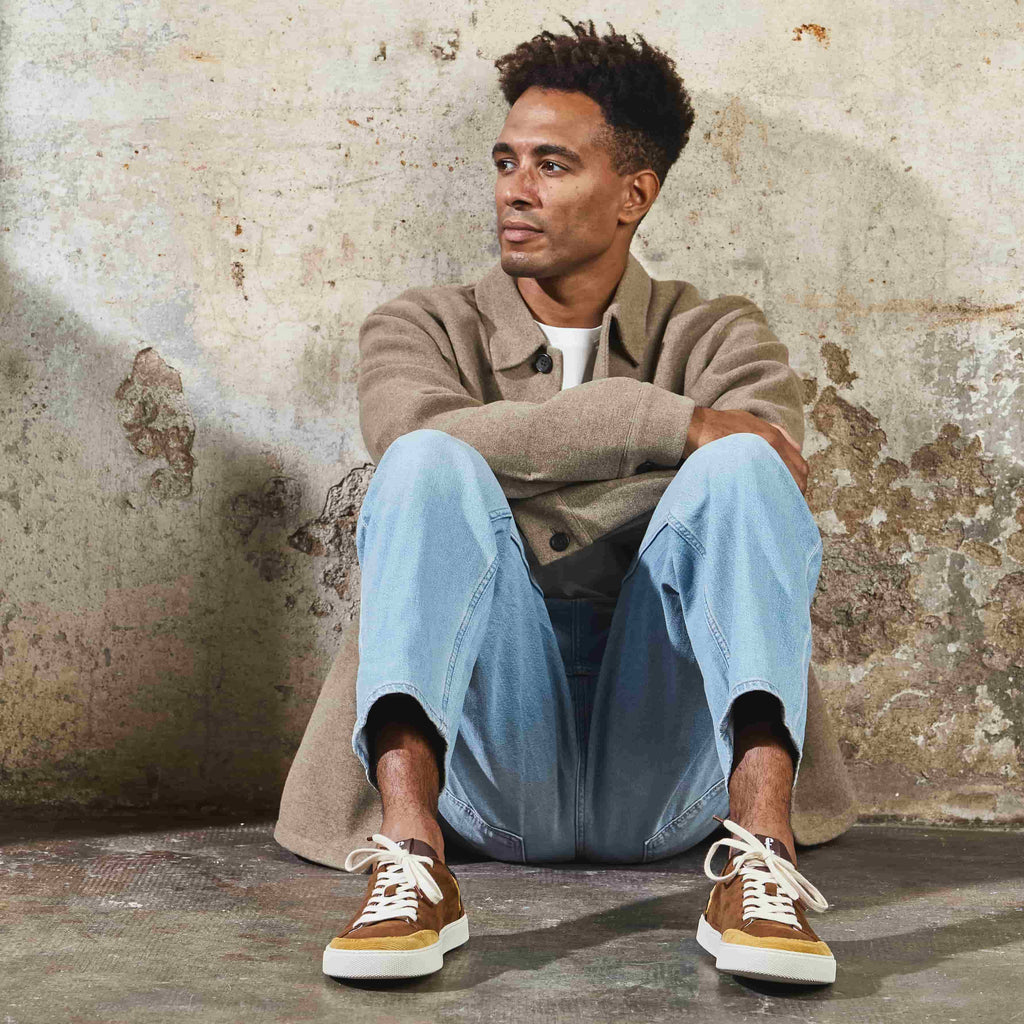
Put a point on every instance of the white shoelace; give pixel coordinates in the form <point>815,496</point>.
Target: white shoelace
<point>757,865</point>
<point>404,870</point>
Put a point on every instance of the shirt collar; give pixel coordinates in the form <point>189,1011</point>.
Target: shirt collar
<point>514,335</point>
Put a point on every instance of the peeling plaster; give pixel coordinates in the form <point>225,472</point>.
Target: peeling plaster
<point>332,535</point>
<point>868,610</point>
<point>158,424</point>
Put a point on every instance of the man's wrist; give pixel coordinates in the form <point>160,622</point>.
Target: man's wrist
<point>690,445</point>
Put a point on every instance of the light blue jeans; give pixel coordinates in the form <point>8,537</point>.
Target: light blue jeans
<point>575,730</point>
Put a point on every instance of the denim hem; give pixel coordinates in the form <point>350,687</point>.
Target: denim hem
<point>749,686</point>
<point>414,691</point>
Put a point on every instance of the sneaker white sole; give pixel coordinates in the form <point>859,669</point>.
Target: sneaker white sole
<point>767,964</point>
<point>396,963</point>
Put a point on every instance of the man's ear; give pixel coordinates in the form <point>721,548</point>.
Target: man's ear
<point>643,188</point>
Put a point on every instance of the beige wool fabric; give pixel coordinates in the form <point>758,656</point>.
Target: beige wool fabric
<point>584,462</point>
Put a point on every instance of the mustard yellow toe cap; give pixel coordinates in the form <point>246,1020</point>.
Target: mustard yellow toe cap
<point>737,938</point>
<point>391,943</point>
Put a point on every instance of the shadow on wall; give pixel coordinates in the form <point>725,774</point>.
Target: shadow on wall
<point>170,598</point>
<point>160,640</point>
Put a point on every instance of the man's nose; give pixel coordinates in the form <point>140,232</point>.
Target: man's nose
<point>519,187</point>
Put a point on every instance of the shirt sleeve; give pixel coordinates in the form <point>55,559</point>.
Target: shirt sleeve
<point>408,379</point>
<point>741,364</point>
<point>737,363</point>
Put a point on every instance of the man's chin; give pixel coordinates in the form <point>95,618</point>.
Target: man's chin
<point>522,264</point>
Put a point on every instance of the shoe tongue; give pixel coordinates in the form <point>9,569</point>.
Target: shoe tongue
<point>420,848</point>
<point>775,846</point>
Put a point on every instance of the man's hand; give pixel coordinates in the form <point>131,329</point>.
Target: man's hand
<point>710,424</point>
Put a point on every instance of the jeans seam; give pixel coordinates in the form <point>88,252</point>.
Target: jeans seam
<point>580,836</point>
<point>686,534</point>
<point>818,547</point>
<point>457,646</point>
<point>709,616</point>
<point>716,630</point>
<point>574,619</point>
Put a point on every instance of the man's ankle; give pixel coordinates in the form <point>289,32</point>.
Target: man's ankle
<point>423,829</point>
<point>774,829</point>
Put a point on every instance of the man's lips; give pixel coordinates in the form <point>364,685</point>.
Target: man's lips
<point>519,234</point>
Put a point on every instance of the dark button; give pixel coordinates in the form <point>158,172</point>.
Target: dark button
<point>543,362</point>
<point>646,467</point>
<point>559,541</point>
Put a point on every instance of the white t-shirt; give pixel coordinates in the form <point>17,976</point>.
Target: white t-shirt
<point>578,346</point>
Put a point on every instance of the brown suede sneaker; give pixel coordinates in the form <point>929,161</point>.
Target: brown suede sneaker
<point>411,915</point>
<point>754,923</point>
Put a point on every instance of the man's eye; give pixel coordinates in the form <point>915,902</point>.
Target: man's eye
<point>547,163</point>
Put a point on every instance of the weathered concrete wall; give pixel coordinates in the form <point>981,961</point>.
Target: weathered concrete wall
<point>200,205</point>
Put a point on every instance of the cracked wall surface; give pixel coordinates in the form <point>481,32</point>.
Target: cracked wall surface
<point>196,214</point>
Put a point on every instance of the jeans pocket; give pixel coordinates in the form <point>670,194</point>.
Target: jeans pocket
<point>689,827</point>
<point>494,842</point>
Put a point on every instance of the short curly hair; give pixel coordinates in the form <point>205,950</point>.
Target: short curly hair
<point>642,97</point>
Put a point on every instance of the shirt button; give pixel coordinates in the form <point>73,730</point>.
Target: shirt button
<point>559,541</point>
<point>543,362</point>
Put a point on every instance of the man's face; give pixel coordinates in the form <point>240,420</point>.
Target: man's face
<point>555,174</point>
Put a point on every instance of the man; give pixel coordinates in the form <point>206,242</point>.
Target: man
<point>585,627</point>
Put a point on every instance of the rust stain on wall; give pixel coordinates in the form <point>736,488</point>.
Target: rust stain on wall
<point>818,31</point>
<point>848,306</point>
<point>157,422</point>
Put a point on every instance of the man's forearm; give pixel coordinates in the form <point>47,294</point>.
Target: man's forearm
<point>598,430</point>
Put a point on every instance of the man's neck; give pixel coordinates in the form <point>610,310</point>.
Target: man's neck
<point>578,299</point>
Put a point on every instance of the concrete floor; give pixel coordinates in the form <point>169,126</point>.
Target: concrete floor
<point>139,920</point>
